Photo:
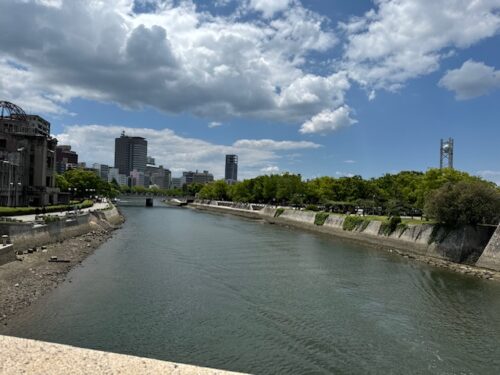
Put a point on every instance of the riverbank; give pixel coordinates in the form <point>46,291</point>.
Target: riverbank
<point>455,251</point>
<point>31,276</point>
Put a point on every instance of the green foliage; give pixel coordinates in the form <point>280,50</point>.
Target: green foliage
<point>217,190</point>
<point>312,207</point>
<point>14,211</point>
<point>466,202</point>
<point>278,212</point>
<point>353,222</point>
<point>51,219</point>
<point>389,226</point>
<point>320,218</point>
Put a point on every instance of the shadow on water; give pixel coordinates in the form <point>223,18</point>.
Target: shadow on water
<point>230,293</point>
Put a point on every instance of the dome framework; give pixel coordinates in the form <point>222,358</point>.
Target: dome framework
<point>11,111</point>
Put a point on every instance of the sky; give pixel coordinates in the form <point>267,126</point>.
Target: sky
<point>316,87</point>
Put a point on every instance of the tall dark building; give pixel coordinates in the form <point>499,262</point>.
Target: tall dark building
<point>231,168</point>
<point>130,153</point>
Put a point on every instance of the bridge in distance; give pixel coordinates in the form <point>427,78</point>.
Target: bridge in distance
<point>149,200</point>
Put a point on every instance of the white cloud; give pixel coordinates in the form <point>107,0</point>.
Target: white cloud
<point>403,39</point>
<point>328,121</point>
<point>349,161</point>
<point>176,58</point>
<point>344,174</point>
<point>176,152</point>
<point>269,144</point>
<point>214,124</point>
<point>269,7</point>
<point>471,80</point>
<point>271,169</point>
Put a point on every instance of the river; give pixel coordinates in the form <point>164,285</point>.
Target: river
<point>225,292</point>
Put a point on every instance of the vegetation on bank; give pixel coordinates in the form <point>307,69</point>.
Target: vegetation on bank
<point>14,211</point>
<point>446,196</point>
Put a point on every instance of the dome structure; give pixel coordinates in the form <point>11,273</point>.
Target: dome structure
<point>11,111</point>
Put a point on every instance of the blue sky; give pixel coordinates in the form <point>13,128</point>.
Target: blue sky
<point>317,87</point>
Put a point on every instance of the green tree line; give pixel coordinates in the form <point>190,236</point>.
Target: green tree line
<point>447,195</point>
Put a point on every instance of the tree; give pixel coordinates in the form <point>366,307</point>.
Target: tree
<point>465,202</point>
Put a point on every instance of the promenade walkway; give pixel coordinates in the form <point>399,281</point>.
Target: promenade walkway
<point>31,218</point>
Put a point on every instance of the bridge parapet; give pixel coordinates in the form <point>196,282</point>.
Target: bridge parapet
<point>24,356</point>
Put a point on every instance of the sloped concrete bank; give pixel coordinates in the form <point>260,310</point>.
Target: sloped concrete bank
<point>457,249</point>
<point>491,254</point>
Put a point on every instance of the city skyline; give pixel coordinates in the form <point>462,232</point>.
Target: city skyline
<point>337,94</point>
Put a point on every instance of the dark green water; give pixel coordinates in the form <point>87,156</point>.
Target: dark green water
<point>228,293</point>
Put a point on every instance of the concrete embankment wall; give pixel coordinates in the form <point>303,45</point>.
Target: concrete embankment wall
<point>227,210</point>
<point>491,255</point>
<point>24,235</point>
<point>463,245</point>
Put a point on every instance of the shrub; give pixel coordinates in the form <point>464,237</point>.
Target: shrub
<point>390,225</point>
<point>320,218</point>
<point>278,212</point>
<point>353,222</point>
<point>465,202</point>
<point>312,207</point>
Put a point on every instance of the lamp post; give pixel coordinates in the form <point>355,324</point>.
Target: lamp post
<point>17,195</point>
<point>10,182</point>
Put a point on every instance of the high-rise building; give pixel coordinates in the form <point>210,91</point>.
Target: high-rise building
<point>130,154</point>
<point>65,157</point>
<point>231,175</point>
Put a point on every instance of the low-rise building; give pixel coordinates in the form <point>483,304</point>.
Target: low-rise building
<point>65,158</point>
<point>190,177</point>
<point>27,159</point>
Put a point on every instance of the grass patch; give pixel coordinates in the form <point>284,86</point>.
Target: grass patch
<point>14,211</point>
<point>320,218</point>
<point>354,222</point>
<point>278,212</point>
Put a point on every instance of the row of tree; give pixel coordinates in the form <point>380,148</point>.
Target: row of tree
<point>447,195</point>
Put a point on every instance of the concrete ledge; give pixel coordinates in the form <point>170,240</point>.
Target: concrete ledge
<point>23,356</point>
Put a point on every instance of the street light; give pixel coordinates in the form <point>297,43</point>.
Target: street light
<point>10,182</point>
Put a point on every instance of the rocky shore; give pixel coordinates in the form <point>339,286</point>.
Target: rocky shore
<point>24,281</point>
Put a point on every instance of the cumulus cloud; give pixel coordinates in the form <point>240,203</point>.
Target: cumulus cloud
<point>172,57</point>
<point>328,121</point>
<point>176,152</point>
<point>471,80</point>
<point>269,7</point>
<point>404,39</point>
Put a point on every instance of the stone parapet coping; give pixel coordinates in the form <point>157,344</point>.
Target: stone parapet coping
<point>24,356</point>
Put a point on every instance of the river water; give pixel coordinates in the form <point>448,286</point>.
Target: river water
<point>230,293</point>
